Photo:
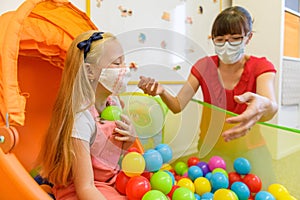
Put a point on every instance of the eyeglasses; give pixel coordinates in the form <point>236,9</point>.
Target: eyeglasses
<point>234,41</point>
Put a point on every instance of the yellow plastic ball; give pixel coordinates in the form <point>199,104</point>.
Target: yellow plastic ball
<point>187,183</point>
<point>133,164</point>
<point>225,194</point>
<point>277,190</point>
<point>202,185</point>
<point>166,166</point>
<point>286,197</point>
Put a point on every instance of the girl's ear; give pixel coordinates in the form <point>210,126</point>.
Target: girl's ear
<point>90,69</point>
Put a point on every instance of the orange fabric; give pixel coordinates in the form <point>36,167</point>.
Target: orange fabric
<point>33,44</point>
<point>42,29</point>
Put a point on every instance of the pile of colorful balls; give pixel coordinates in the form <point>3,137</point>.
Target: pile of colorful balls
<point>149,176</point>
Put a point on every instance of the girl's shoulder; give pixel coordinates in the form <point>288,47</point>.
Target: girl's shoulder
<point>84,126</point>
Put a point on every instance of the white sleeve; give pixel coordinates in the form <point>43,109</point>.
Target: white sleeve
<point>84,127</point>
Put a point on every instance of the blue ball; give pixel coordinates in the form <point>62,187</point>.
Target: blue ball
<point>197,196</point>
<point>194,172</point>
<point>264,195</point>
<point>241,190</point>
<point>153,160</point>
<point>165,151</point>
<point>207,196</point>
<point>172,176</point>
<point>218,180</point>
<point>208,175</point>
<point>242,166</point>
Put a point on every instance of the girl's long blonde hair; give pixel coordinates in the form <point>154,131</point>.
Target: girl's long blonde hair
<point>74,95</point>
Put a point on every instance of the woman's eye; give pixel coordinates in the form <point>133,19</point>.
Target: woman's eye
<point>219,40</point>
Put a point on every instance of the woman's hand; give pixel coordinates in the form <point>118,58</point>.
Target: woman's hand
<point>259,107</point>
<point>150,86</point>
<point>125,130</point>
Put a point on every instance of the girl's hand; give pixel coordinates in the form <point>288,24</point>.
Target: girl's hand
<point>150,86</point>
<point>125,130</point>
<point>257,107</point>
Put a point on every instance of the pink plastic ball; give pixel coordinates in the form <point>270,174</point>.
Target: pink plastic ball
<point>216,162</point>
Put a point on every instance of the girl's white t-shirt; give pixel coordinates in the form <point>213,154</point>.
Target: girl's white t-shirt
<point>84,127</point>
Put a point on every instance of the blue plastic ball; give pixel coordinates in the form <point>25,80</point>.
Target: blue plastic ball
<point>242,166</point>
<point>208,175</point>
<point>219,180</point>
<point>197,196</point>
<point>241,190</point>
<point>207,196</point>
<point>165,151</point>
<point>264,195</point>
<point>153,160</point>
<point>171,175</point>
<point>194,172</point>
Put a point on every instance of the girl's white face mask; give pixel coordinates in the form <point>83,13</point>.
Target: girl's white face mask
<point>230,54</point>
<point>115,79</point>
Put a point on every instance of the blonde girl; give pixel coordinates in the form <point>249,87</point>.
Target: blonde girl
<point>81,152</point>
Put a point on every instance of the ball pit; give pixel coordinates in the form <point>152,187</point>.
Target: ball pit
<point>191,180</point>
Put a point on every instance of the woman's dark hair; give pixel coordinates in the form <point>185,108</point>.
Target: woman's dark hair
<point>232,20</point>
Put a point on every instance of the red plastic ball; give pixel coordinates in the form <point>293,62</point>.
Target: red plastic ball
<point>174,187</point>
<point>234,177</point>
<point>251,197</point>
<point>253,182</point>
<point>193,161</point>
<point>147,174</point>
<point>121,182</point>
<point>136,187</point>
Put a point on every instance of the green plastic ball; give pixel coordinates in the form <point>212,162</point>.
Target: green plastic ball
<point>111,113</point>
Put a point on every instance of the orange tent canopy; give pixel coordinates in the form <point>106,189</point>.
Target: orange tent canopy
<point>34,40</point>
